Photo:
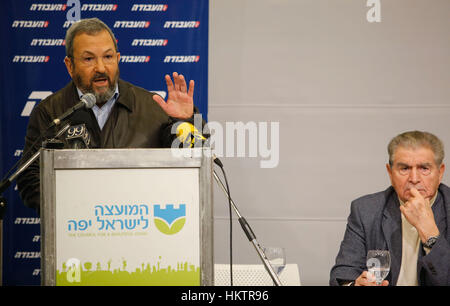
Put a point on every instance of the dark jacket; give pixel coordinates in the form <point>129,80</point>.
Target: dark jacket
<point>375,223</point>
<point>136,121</point>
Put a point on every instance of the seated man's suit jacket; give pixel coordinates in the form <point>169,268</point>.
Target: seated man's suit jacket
<point>375,223</point>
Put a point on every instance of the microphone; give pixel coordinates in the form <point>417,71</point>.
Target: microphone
<point>87,101</point>
<point>82,125</point>
<point>188,135</point>
<point>77,136</point>
<point>217,161</point>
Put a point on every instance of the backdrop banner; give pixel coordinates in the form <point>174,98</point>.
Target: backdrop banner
<point>155,38</point>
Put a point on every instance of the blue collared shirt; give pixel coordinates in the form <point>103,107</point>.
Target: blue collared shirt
<point>102,113</point>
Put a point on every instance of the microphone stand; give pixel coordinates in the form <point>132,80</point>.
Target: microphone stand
<point>249,233</point>
<point>4,184</point>
<point>7,182</point>
<point>88,101</point>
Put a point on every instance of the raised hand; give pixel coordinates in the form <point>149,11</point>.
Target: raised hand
<point>417,211</point>
<point>180,101</point>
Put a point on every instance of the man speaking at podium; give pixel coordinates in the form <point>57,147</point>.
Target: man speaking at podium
<point>124,115</point>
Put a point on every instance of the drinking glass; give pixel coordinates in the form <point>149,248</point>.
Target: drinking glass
<point>379,264</point>
<point>276,257</point>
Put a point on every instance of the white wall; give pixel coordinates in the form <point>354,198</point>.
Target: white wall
<point>341,88</point>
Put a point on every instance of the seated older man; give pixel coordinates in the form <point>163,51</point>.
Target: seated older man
<point>409,219</point>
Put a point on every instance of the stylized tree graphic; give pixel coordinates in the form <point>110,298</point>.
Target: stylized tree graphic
<point>88,266</point>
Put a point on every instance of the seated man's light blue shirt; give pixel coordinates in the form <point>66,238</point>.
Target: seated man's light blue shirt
<point>102,113</point>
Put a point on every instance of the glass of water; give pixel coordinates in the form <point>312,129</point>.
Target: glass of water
<point>276,257</point>
<point>378,263</point>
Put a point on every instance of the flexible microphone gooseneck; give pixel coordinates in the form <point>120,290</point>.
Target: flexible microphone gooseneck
<point>245,227</point>
<point>87,101</point>
<point>219,163</point>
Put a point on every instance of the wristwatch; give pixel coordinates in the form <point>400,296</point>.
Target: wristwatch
<point>430,242</point>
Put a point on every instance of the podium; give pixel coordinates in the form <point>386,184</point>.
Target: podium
<point>126,217</point>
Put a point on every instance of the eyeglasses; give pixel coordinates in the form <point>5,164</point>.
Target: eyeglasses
<point>91,60</point>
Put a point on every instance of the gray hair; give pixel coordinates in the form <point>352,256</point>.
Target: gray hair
<point>414,140</point>
<point>89,26</point>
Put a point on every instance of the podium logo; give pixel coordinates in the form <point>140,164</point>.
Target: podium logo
<point>169,220</point>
